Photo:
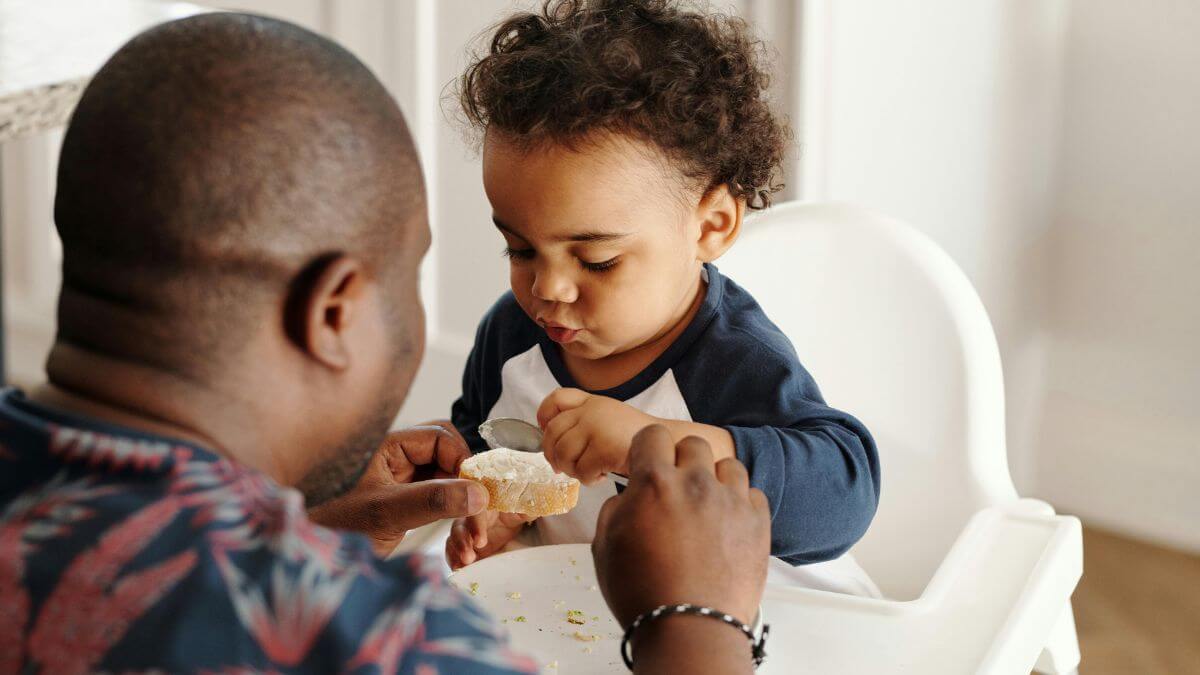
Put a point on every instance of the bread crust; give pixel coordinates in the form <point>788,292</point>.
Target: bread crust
<point>533,498</point>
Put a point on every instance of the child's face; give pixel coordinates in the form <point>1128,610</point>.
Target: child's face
<point>605,250</point>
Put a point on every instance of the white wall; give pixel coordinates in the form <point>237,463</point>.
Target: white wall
<point>944,113</point>
<point>1120,438</point>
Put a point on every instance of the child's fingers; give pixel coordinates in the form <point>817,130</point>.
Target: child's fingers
<point>593,463</point>
<point>515,521</point>
<point>567,450</point>
<point>759,501</point>
<point>561,424</point>
<point>732,473</point>
<point>558,401</point>
<point>458,546</point>
<point>476,528</point>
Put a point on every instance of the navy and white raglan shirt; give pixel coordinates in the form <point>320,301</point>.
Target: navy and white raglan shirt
<point>731,367</point>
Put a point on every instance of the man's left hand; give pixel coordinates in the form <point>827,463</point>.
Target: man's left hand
<point>409,482</point>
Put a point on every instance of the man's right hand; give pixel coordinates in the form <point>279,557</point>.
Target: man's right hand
<point>685,530</point>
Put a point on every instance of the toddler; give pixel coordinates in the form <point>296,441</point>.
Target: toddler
<point>622,143</point>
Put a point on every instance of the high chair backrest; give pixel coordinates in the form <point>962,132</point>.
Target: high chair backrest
<point>893,333</point>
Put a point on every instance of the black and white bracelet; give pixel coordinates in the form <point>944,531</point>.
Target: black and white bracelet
<point>757,647</point>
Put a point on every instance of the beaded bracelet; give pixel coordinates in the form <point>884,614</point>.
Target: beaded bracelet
<point>757,647</point>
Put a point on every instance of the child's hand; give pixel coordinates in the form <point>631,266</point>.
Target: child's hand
<point>479,536</point>
<point>587,436</point>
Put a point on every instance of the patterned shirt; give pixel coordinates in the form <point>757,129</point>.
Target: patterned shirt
<point>125,552</point>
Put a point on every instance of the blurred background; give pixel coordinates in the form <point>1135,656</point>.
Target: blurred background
<point>1051,147</point>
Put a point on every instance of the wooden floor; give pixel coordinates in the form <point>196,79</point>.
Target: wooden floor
<point>1137,608</point>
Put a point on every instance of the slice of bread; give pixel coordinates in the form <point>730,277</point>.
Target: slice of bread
<point>521,482</point>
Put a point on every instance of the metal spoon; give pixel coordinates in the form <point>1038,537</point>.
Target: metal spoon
<point>510,432</point>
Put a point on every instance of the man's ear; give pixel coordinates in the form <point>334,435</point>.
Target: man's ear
<point>326,302</point>
<point>720,216</point>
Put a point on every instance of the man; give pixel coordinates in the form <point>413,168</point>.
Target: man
<point>242,217</point>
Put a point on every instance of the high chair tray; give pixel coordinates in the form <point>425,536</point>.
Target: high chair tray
<point>988,609</point>
<point>548,600</point>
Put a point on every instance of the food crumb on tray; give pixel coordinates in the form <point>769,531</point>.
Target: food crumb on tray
<point>575,616</point>
<point>474,588</point>
<point>585,637</point>
<point>515,595</point>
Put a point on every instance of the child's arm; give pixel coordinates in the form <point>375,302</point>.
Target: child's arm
<point>817,466</point>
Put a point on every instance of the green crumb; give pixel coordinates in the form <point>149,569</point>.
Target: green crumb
<point>474,588</point>
<point>520,619</point>
<point>575,616</point>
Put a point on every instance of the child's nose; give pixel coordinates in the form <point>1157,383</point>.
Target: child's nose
<point>551,286</point>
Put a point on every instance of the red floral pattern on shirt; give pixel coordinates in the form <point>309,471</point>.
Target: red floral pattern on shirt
<point>127,553</point>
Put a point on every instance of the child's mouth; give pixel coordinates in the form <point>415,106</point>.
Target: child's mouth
<point>561,334</point>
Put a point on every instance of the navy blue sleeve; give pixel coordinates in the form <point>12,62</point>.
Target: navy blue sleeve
<point>817,466</point>
<point>503,332</point>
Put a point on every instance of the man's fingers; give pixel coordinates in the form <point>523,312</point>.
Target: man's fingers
<point>606,512</point>
<point>732,473</point>
<point>653,449</point>
<point>423,502</point>
<point>451,450</point>
<point>694,452</point>
<point>558,401</point>
<point>424,445</point>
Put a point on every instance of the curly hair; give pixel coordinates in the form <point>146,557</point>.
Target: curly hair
<point>692,84</point>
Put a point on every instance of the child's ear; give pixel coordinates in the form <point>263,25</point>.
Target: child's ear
<point>720,216</point>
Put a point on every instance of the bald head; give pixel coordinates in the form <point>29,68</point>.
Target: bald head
<point>208,165</point>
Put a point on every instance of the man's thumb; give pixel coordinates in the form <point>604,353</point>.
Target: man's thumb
<point>424,502</point>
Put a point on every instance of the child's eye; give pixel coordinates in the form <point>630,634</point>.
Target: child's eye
<point>600,266</point>
<point>518,253</point>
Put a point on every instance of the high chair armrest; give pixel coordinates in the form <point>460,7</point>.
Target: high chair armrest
<point>989,608</point>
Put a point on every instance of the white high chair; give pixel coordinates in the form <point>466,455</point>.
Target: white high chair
<point>977,580</point>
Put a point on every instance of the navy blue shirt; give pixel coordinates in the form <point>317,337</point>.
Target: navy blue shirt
<point>731,367</point>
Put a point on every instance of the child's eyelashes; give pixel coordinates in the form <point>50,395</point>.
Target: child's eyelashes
<point>518,253</point>
<point>525,254</point>
<point>600,266</point>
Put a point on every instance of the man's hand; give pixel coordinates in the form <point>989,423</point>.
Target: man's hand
<point>479,536</point>
<point>587,436</point>
<point>683,531</point>
<point>408,483</point>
